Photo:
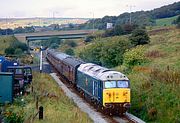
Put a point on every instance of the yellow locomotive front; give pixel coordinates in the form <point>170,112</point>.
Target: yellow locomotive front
<point>116,93</point>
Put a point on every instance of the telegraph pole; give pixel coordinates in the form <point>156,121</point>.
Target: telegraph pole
<point>40,67</point>
<point>130,9</point>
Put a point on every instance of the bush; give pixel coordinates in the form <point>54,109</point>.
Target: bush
<point>139,37</point>
<point>18,51</point>
<point>54,46</point>
<point>9,51</point>
<point>70,43</point>
<point>134,56</point>
<point>69,51</point>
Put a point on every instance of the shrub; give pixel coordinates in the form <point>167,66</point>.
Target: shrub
<point>9,50</point>
<point>18,51</point>
<point>139,37</point>
<point>70,43</point>
<point>134,56</point>
<point>54,46</point>
<point>69,51</point>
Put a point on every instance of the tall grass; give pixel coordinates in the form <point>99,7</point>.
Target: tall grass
<point>57,107</point>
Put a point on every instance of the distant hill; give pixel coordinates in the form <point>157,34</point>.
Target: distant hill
<point>145,18</point>
<point>23,22</point>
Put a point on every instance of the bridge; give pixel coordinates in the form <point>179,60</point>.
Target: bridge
<point>72,34</point>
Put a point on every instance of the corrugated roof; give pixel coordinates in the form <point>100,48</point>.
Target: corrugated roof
<point>101,73</point>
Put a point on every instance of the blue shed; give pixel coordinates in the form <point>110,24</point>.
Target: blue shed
<point>2,59</point>
<point>6,87</point>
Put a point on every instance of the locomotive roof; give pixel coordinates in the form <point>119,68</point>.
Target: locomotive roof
<point>101,73</point>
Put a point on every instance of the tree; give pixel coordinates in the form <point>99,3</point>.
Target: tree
<point>19,30</point>
<point>139,37</point>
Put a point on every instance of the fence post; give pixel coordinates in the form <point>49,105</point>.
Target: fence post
<point>40,113</point>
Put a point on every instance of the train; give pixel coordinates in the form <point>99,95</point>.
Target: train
<point>107,89</point>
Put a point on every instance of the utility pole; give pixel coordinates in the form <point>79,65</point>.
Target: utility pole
<point>130,10</point>
<point>93,21</point>
<point>40,67</point>
<point>53,17</point>
<point>6,26</point>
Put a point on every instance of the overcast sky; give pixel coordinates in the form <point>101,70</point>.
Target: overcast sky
<point>74,8</point>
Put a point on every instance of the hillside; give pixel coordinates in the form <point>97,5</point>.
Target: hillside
<point>139,17</point>
<point>155,81</point>
<point>166,21</point>
<point>155,84</point>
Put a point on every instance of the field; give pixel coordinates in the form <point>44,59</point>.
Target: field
<point>166,21</point>
<point>57,107</point>
<point>14,23</point>
<point>155,84</point>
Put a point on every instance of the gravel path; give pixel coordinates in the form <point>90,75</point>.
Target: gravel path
<point>95,116</point>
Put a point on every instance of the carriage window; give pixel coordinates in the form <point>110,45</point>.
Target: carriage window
<point>10,70</point>
<point>122,84</point>
<point>28,71</point>
<point>19,71</point>
<point>110,84</point>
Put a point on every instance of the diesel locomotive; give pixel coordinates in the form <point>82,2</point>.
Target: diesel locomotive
<point>106,88</point>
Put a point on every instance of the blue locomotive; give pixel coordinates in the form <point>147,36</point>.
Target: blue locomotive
<point>106,88</point>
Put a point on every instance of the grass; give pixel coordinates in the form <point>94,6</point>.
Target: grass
<point>155,95</point>
<point>57,107</point>
<point>165,21</point>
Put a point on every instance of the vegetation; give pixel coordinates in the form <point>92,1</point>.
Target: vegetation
<point>155,84</point>
<point>153,69</point>
<point>166,21</point>
<point>105,51</point>
<point>120,30</point>
<point>139,37</point>
<point>178,21</point>
<point>16,48</point>
<point>142,18</point>
<point>5,42</point>
<point>57,107</point>
<point>134,56</point>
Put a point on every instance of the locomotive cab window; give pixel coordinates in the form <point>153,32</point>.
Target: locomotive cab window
<point>110,84</point>
<point>116,84</point>
<point>122,84</point>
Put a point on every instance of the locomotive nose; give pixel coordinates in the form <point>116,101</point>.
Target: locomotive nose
<point>117,95</point>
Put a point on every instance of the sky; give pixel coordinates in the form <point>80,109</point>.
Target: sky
<point>75,8</point>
